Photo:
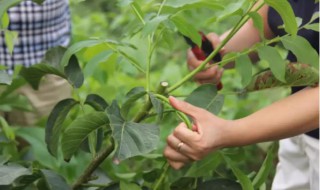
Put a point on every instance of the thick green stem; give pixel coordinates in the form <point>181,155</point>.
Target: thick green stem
<point>94,164</point>
<point>161,178</point>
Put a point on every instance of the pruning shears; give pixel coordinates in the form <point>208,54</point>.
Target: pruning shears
<point>203,52</point>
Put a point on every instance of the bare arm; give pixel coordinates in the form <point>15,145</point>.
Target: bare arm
<point>296,114</point>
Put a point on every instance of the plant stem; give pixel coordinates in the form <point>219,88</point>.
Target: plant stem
<point>182,116</point>
<point>202,66</point>
<point>94,164</point>
<point>163,175</point>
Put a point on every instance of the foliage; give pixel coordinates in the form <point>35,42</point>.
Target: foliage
<point>119,145</point>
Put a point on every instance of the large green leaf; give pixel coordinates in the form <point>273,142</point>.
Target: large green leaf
<point>9,173</point>
<point>74,72</point>
<point>276,63</point>
<point>244,67</point>
<point>182,5</point>
<point>15,101</point>
<point>132,138</point>
<point>284,9</point>
<point>55,121</point>
<point>54,181</point>
<point>153,24</point>
<point>132,96</point>
<point>296,75</point>
<point>79,130</point>
<point>302,49</point>
<point>34,73</point>
<point>266,167</point>
<point>90,67</point>
<point>206,96</point>
<point>257,22</point>
<point>132,186</point>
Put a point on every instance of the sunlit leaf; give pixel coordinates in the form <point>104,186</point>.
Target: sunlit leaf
<point>90,67</point>
<point>79,130</point>
<point>132,138</point>
<point>131,186</point>
<point>314,27</point>
<point>54,123</point>
<point>10,38</point>
<point>302,49</point>
<point>210,99</point>
<point>8,131</point>
<point>276,63</point>
<point>296,75</point>
<point>258,22</point>
<point>153,24</point>
<point>4,21</point>
<point>284,9</point>
<point>4,5</point>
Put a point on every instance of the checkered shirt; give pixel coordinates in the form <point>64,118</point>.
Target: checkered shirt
<point>40,27</point>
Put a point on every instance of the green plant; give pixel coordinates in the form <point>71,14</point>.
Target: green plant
<point>122,132</point>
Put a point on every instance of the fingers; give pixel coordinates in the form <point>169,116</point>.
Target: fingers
<point>184,107</point>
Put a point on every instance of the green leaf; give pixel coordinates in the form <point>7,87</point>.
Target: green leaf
<point>132,138</point>
<point>284,9</point>
<point>276,63</point>
<point>53,57</point>
<point>54,123</point>
<point>205,166</point>
<point>38,1</point>
<point>54,181</point>
<point>10,38</point>
<point>9,173</point>
<point>5,78</point>
<point>34,73</point>
<point>126,186</point>
<point>219,184</point>
<point>244,68</point>
<point>79,130</point>
<point>266,167</point>
<point>187,29</point>
<point>74,72</point>
<point>206,96</point>
<point>314,27</point>
<point>152,25</point>
<point>243,179</point>
<point>5,4</point>
<point>132,96</point>
<point>97,102</point>
<point>8,131</point>
<point>182,5</point>
<point>302,49</point>
<point>16,101</point>
<point>157,105</point>
<point>89,68</point>
<point>258,23</point>
<point>4,21</point>
<point>137,10</point>
<point>296,75</point>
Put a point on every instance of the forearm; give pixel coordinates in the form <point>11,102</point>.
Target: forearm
<point>296,114</point>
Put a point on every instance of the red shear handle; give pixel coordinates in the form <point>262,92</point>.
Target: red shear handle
<point>200,55</point>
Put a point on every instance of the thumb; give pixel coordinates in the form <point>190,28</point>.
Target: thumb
<point>184,107</point>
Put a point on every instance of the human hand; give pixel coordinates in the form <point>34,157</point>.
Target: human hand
<point>185,145</point>
<point>210,75</point>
